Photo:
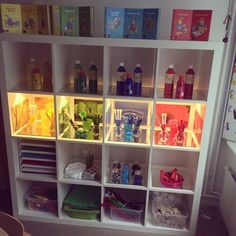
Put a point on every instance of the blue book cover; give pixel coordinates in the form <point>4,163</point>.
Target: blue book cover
<point>133,23</point>
<point>114,22</point>
<point>150,23</point>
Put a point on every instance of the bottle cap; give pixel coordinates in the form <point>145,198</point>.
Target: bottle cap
<point>181,77</point>
<point>32,60</point>
<point>171,66</point>
<point>138,65</point>
<point>77,62</point>
<point>129,75</point>
<point>190,67</point>
<point>122,64</point>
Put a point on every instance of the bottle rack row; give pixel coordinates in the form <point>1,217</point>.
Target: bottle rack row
<point>154,63</point>
<point>129,122</point>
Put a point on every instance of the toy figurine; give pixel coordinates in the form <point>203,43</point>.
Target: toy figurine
<point>138,177</point>
<point>115,173</point>
<point>115,176</point>
<point>125,174</point>
<point>135,167</point>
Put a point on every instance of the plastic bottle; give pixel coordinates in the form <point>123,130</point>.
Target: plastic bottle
<point>180,87</point>
<point>77,69</point>
<point>81,82</point>
<point>128,88</point>
<point>189,81</point>
<point>37,78</point>
<point>120,79</point>
<point>31,66</point>
<point>93,79</point>
<point>47,76</point>
<point>137,89</point>
<point>169,82</point>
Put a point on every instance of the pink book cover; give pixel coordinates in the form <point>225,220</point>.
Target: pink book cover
<point>181,24</point>
<point>201,24</point>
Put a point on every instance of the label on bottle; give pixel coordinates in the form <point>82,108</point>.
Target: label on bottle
<point>92,75</point>
<point>121,76</point>
<point>137,77</point>
<point>37,81</point>
<point>189,79</point>
<point>169,78</point>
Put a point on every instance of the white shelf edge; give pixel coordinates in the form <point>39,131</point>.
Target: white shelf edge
<point>111,42</point>
<point>232,146</point>
<point>37,177</point>
<point>125,186</point>
<point>176,148</point>
<point>79,182</point>
<point>171,190</point>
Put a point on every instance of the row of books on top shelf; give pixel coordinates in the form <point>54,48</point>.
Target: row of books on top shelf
<point>45,19</point>
<point>144,23</point>
<point>37,157</point>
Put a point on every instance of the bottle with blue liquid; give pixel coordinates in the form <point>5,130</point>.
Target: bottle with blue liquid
<point>137,86</point>
<point>128,88</point>
<point>121,72</point>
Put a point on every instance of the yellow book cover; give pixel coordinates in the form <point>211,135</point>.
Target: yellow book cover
<point>11,18</point>
<point>29,19</point>
<point>43,19</point>
<point>55,19</point>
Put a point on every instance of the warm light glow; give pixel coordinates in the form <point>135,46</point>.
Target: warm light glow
<point>63,102</point>
<point>18,99</point>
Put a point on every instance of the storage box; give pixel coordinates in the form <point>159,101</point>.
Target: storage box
<point>42,199</point>
<point>81,214</point>
<point>169,214</point>
<point>125,214</point>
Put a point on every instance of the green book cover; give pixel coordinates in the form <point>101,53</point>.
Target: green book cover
<point>69,20</point>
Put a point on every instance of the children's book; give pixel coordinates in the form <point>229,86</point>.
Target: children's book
<point>133,23</point>
<point>86,21</point>
<point>69,20</point>
<point>201,23</point>
<point>114,22</point>
<point>43,19</point>
<point>37,170</point>
<point>40,150</point>
<point>150,23</point>
<point>11,18</point>
<point>55,19</point>
<point>36,156</point>
<point>181,24</point>
<point>29,19</point>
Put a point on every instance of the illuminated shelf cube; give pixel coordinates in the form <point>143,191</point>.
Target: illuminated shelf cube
<point>179,125</point>
<point>79,118</point>
<point>128,122</point>
<point>31,115</point>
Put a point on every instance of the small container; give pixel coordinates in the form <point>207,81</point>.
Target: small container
<point>189,81</point>
<point>93,79</point>
<point>125,214</point>
<point>169,82</point>
<point>81,214</point>
<point>137,89</point>
<point>42,198</point>
<point>128,87</point>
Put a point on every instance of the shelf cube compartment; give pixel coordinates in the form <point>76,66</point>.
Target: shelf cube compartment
<point>178,168</point>
<point>65,57</point>
<point>169,210</point>
<point>17,70</point>
<point>201,60</point>
<point>127,206</point>
<point>84,160</point>
<point>80,118</point>
<point>179,125</point>
<point>79,202</point>
<point>146,57</point>
<point>38,199</point>
<point>37,157</point>
<point>126,166</point>
<point>31,115</point>
<point>128,122</point>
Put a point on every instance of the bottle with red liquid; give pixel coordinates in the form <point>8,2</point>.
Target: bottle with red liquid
<point>189,81</point>
<point>169,82</point>
<point>180,87</point>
